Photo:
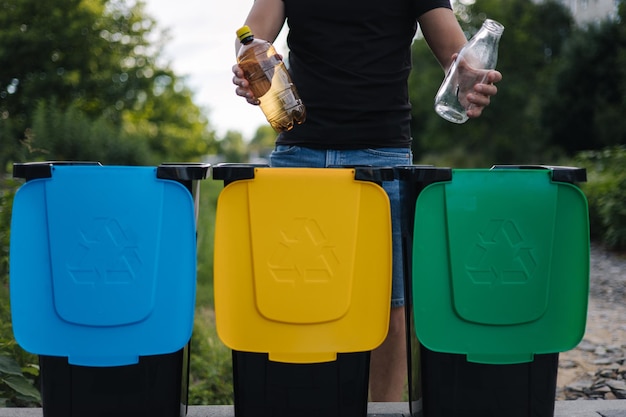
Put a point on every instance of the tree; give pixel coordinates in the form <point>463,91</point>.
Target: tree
<point>100,57</point>
<point>233,148</point>
<point>70,135</point>
<point>586,102</point>
<point>262,143</point>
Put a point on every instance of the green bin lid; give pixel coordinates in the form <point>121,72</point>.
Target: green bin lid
<point>500,265</point>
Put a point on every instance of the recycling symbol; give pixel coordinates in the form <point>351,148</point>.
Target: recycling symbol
<point>500,256</point>
<point>104,255</point>
<point>303,255</point>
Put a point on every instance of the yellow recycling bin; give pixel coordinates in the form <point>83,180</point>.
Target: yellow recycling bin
<point>302,277</point>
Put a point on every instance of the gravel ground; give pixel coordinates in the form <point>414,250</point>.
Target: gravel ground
<point>596,368</point>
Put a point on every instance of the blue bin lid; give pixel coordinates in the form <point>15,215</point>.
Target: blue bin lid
<point>103,264</point>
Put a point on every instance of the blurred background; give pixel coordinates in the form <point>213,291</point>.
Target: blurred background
<point>94,80</point>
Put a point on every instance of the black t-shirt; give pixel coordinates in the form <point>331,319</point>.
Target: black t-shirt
<point>350,61</point>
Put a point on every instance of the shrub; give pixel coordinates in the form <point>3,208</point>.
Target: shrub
<point>7,192</point>
<point>211,379</point>
<point>69,135</point>
<point>606,193</point>
<point>18,370</point>
<point>211,376</point>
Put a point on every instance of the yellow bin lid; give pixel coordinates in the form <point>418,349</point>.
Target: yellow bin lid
<point>302,266</point>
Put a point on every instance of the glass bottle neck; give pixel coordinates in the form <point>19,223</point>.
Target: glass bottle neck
<point>493,27</point>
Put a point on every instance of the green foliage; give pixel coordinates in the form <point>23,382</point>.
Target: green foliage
<point>233,148</point>
<point>7,149</point>
<point>262,143</point>
<point>585,104</point>
<point>209,191</point>
<point>7,192</point>
<point>19,370</point>
<point>176,129</point>
<point>211,379</point>
<point>606,192</point>
<point>17,387</point>
<point>100,61</point>
<point>69,135</point>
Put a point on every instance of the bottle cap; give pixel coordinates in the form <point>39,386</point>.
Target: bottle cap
<point>244,32</point>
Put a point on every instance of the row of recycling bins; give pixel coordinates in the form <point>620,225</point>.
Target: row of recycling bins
<point>103,273</point>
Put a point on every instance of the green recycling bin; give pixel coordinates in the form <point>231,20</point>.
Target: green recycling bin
<point>499,286</point>
<point>102,284</point>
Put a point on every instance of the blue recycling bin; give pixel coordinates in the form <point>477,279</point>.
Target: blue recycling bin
<point>499,267</point>
<point>102,284</point>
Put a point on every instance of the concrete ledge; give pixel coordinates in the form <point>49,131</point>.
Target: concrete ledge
<point>579,408</point>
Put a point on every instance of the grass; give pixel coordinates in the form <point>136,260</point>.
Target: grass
<point>209,191</point>
<point>211,365</point>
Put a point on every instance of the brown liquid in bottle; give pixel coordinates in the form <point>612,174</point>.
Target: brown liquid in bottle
<point>257,70</point>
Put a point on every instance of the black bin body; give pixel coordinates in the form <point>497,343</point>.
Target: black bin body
<point>454,387</point>
<point>156,386</point>
<point>330,389</point>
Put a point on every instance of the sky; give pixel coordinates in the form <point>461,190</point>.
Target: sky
<point>202,49</point>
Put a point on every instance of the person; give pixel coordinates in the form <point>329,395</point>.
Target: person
<point>350,61</point>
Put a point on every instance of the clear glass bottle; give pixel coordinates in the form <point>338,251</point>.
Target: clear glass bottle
<point>471,66</point>
<point>270,82</point>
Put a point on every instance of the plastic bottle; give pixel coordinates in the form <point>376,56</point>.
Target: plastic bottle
<point>471,66</point>
<point>270,81</point>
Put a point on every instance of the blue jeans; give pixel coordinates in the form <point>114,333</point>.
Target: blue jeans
<point>296,156</point>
